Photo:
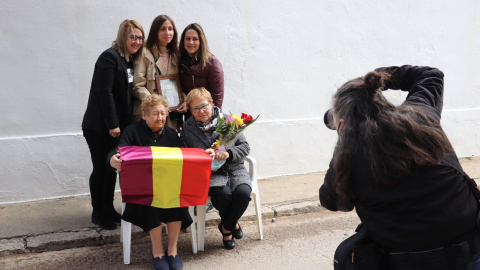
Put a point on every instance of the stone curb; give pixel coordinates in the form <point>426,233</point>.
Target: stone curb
<point>96,237</point>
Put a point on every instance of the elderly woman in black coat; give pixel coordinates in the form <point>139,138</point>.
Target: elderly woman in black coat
<point>151,131</point>
<point>230,186</point>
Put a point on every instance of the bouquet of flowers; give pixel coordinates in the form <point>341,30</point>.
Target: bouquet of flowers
<point>228,131</point>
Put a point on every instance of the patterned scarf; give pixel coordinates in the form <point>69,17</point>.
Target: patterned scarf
<point>210,127</point>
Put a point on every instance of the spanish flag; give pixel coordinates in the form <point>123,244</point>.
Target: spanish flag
<point>164,177</point>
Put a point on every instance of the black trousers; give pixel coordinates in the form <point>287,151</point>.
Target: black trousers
<point>103,177</point>
<point>230,205</point>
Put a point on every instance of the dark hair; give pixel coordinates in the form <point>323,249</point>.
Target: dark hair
<point>397,139</point>
<point>152,39</point>
<point>203,51</point>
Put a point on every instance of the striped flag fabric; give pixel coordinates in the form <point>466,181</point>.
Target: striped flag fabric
<point>164,177</point>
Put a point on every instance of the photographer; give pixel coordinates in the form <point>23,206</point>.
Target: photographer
<point>396,166</point>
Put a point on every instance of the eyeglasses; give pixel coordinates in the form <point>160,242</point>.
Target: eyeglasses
<point>135,38</point>
<point>198,109</point>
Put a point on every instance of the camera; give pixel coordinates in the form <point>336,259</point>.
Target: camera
<point>328,120</point>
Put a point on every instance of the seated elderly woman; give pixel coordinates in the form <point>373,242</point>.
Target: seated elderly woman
<point>151,131</point>
<point>230,186</point>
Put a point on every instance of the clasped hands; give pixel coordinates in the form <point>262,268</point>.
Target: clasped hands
<point>116,162</point>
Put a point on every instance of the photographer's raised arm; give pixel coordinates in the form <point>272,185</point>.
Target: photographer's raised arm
<point>423,84</point>
<point>330,199</point>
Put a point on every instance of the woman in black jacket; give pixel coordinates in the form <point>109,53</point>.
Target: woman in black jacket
<point>151,131</point>
<point>108,111</point>
<point>396,166</point>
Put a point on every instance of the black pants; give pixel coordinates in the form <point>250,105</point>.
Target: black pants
<point>103,177</point>
<point>230,205</point>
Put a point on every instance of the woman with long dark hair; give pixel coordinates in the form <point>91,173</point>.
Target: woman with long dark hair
<point>198,66</point>
<point>396,166</point>
<point>160,57</point>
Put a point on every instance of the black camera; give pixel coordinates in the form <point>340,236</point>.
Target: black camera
<point>328,120</point>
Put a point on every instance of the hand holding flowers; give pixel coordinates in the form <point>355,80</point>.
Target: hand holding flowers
<point>228,131</point>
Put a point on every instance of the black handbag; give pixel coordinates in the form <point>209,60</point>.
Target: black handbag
<point>359,252</point>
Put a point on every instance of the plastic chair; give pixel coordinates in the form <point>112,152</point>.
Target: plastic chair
<point>126,235</point>
<point>199,220</point>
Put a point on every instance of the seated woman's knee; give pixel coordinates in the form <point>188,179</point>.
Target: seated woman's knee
<point>243,191</point>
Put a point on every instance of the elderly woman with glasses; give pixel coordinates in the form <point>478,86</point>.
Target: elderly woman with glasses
<point>151,131</point>
<point>230,186</point>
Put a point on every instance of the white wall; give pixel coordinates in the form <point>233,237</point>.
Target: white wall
<point>282,59</point>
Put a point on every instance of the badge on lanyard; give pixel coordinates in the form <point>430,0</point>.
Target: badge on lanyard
<point>130,75</point>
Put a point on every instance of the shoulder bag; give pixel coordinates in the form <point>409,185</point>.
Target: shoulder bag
<point>359,252</point>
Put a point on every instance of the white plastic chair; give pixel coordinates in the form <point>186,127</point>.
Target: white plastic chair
<point>126,235</point>
<point>199,220</point>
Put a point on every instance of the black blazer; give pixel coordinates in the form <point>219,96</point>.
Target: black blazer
<point>110,102</point>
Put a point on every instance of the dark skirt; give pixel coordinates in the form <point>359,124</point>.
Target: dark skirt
<point>149,217</point>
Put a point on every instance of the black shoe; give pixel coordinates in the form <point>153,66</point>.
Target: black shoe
<point>229,244</point>
<point>237,233</point>
<point>115,216</point>
<point>104,222</point>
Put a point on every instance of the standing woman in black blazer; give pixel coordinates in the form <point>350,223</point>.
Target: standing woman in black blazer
<point>108,111</point>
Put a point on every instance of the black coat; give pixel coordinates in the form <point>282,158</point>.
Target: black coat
<point>430,208</point>
<point>139,134</point>
<point>148,217</point>
<point>110,102</point>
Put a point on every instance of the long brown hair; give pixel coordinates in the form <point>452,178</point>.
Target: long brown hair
<point>152,39</point>
<point>397,140</point>
<point>203,51</point>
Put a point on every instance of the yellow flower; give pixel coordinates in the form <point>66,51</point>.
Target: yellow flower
<point>215,145</point>
<point>239,121</point>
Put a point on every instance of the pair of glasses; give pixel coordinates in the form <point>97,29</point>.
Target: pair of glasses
<point>198,109</point>
<point>135,38</point>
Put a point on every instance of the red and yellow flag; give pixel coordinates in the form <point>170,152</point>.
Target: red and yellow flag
<point>164,177</point>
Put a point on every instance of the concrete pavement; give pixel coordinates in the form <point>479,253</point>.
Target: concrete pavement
<point>65,223</point>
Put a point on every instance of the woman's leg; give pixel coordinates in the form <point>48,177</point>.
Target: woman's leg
<point>102,180</point>
<point>221,199</point>
<point>156,238</point>
<point>173,233</point>
<point>240,199</point>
